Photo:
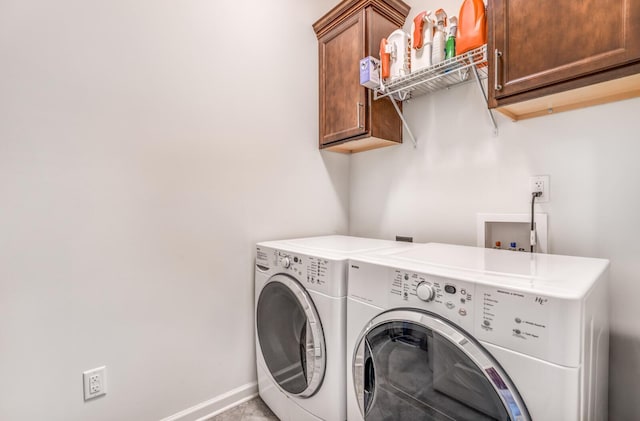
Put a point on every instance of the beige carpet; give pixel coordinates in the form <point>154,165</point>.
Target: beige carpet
<point>253,410</point>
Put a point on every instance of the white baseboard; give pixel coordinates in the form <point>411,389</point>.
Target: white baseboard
<point>208,409</point>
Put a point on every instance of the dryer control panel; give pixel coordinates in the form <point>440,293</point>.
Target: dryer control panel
<point>450,298</point>
<point>313,272</point>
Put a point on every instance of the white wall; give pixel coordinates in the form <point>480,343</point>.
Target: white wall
<point>459,169</point>
<point>145,146</point>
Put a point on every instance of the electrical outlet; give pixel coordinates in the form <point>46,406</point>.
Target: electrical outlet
<point>540,184</point>
<point>95,382</point>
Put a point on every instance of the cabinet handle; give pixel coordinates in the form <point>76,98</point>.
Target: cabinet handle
<point>359,104</point>
<point>498,54</point>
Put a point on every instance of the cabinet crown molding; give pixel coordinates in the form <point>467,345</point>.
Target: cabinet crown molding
<point>394,10</point>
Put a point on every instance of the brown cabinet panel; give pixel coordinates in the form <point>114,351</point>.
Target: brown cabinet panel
<point>385,122</point>
<point>342,99</point>
<point>350,120</point>
<point>545,44</point>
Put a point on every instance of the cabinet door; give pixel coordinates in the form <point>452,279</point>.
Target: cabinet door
<point>382,118</point>
<point>549,41</point>
<point>343,107</point>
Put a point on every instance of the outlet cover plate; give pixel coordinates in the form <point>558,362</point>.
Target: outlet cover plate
<point>95,382</point>
<point>540,183</point>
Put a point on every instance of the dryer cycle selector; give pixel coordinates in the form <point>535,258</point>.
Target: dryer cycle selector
<point>425,291</point>
<point>286,262</point>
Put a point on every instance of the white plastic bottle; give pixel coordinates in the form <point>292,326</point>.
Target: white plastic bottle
<point>439,38</point>
<point>421,41</point>
<point>398,46</point>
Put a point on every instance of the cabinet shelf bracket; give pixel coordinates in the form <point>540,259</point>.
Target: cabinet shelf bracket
<point>486,99</point>
<point>404,122</point>
<point>444,75</point>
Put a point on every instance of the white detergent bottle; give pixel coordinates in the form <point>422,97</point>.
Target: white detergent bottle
<point>439,38</point>
<point>421,41</point>
<point>398,47</point>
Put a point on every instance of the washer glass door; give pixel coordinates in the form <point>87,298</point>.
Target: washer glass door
<point>411,365</point>
<point>290,336</point>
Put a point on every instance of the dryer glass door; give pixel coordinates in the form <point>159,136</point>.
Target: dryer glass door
<point>411,365</point>
<point>290,336</point>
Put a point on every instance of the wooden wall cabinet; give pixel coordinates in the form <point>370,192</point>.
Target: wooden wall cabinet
<point>551,56</point>
<point>350,120</point>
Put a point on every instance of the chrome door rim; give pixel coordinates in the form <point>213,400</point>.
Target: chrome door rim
<point>315,346</point>
<point>456,336</point>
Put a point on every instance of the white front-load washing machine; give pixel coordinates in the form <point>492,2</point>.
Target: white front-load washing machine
<point>300,304</point>
<point>444,332</point>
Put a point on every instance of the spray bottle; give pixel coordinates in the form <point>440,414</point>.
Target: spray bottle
<point>421,41</point>
<point>439,37</point>
<point>450,47</point>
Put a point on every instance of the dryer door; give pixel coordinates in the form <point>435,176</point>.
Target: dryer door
<point>290,336</point>
<point>411,365</point>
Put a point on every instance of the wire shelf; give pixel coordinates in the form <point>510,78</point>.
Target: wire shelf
<point>451,72</point>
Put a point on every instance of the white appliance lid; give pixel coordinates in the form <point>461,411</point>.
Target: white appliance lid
<point>335,246</point>
<point>565,275</point>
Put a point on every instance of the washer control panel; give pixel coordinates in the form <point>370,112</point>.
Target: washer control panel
<point>453,299</point>
<point>504,311</point>
<point>514,319</point>
<point>311,271</point>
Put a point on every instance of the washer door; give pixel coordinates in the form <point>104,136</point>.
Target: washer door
<point>411,365</point>
<point>290,336</point>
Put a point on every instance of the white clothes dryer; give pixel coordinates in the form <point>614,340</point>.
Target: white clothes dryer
<point>300,304</point>
<point>443,332</point>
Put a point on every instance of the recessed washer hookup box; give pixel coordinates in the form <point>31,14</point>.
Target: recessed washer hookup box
<point>370,72</point>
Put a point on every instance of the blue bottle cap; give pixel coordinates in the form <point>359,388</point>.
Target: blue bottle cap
<point>513,244</point>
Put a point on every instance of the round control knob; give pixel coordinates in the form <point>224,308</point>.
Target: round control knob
<point>286,262</point>
<point>425,291</point>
